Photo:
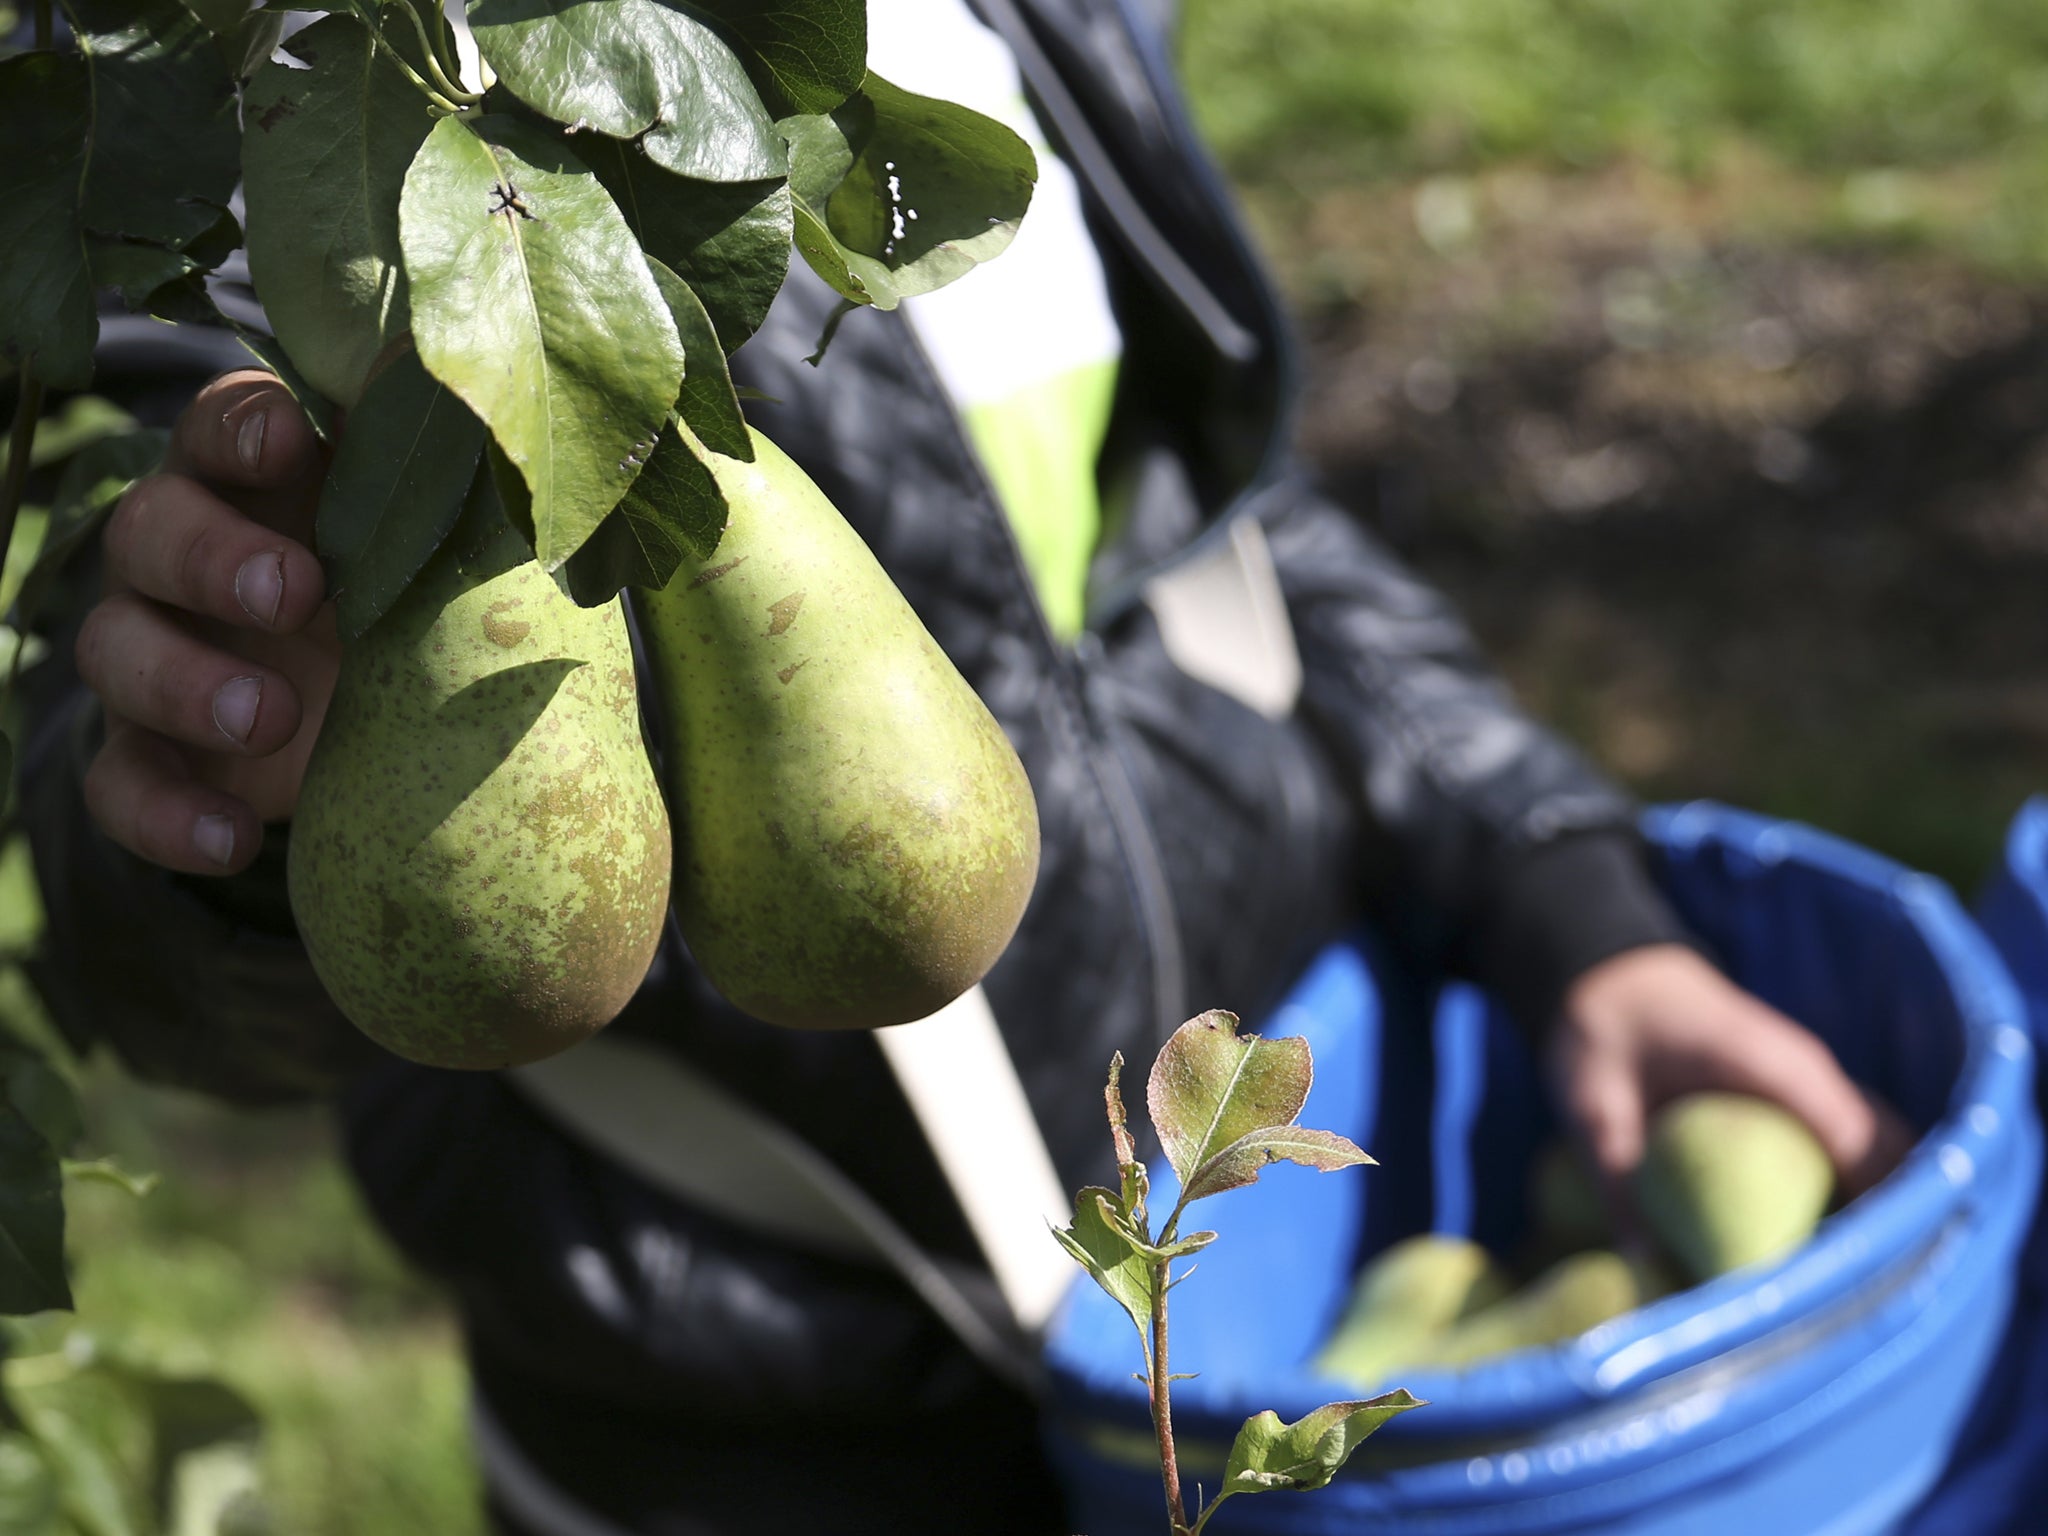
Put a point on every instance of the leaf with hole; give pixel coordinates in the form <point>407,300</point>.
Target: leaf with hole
<point>324,158</point>
<point>929,190</point>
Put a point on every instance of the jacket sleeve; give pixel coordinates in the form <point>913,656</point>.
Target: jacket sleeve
<point>199,984</point>
<point>1505,855</point>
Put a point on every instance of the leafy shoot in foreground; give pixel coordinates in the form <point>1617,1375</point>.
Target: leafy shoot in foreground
<point>1225,1107</point>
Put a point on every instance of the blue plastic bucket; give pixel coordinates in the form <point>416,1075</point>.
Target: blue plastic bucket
<point>1818,1396</point>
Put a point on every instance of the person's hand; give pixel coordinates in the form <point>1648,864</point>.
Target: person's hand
<point>211,647</point>
<point>1657,1022</point>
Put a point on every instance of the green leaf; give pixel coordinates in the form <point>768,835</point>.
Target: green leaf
<point>135,267</point>
<point>395,488</point>
<point>1240,1163</point>
<point>28,1489</point>
<point>1306,1454</point>
<point>531,301</point>
<point>931,190</point>
<point>104,1170</point>
<point>1210,1086</point>
<point>323,161</point>
<point>42,1097</point>
<point>638,70</point>
<point>165,142</point>
<point>223,18</point>
<point>79,420</point>
<point>674,511</point>
<point>729,243</point>
<point>46,300</point>
<point>807,55</point>
<point>32,1277</point>
<point>708,403</point>
<point>1102,1244</point>
<point>97,1441</point>
<point>93,481</point>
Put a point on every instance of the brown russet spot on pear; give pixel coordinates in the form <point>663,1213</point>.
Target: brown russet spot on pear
<point>480,858</point>
<point>855,837</point>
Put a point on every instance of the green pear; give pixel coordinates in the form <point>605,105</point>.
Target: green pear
<point>480,857</point>
<point>855,838</point>
<point>1573,1295</point>
<point>1403,1300</point>
<point>1728,1180</point>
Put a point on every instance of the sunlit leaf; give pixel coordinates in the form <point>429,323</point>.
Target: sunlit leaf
<point>1211,1086</point>
<point>1240,1163</point>
<point>1270,1456</point>
<point>638,70</point>
<point>531,301</point>
<point>104,1170</point>
<point>1103,1246</point>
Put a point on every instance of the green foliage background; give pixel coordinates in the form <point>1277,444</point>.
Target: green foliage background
<point>1904,123</point>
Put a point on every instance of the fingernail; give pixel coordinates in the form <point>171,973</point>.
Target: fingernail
<point>214,837</point>
<point>249,441</point>
<point>259,587</point>
<point>234,707</point>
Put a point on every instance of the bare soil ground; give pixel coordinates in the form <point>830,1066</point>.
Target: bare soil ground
<point>1751,517</point>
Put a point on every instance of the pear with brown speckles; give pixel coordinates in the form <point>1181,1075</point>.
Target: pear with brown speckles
<point>480,857</point>
<point>855,837</point>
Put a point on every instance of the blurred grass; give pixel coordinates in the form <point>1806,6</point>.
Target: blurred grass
<point>253,1260</point>
<point>1890,107</point>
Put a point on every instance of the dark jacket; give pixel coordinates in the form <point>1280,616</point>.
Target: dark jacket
<point>1195,853</point>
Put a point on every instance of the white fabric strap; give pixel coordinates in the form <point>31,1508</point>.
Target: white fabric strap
<point>963,1087</point>
<point>1223,620</point>
<point>654,1114</point>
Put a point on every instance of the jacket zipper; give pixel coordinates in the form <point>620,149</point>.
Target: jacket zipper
<point>1072,671</point>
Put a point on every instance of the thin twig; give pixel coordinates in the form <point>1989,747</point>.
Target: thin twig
<point>45,28</point>
<point>1162,1406</point>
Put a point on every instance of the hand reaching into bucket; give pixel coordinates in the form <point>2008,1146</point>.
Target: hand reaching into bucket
<point>1653,1023</point>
